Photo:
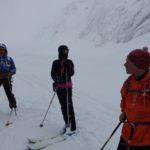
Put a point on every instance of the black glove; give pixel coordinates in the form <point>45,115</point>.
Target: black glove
<point>122,117</point>
<point>58,79</point>
<point>54,86</point>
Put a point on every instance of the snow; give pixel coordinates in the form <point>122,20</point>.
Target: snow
<point>99,34</point>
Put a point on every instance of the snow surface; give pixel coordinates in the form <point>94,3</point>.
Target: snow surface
<point>95,31</point>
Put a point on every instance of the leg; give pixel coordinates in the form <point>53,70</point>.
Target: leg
<point>122,144</point>
<point>61,93</point>
<point>1,82</point>
<point>7,87</point>
<point>71,111</point>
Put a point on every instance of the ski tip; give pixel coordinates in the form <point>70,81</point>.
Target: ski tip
<point>34,141</point>
<point>31,141</point>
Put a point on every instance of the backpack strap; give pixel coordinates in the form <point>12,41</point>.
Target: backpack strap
<point>128,90</point>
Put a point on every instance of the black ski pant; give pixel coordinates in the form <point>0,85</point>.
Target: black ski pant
<point>8,90</point>
<point>123,146</point>
<point>67,107</point>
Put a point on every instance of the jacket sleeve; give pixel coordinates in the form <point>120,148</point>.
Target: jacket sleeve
<point>53,71</point>
<point>12,68</point>
<point>70,68</point>
<point>124,94</point>
<point>122,105</point>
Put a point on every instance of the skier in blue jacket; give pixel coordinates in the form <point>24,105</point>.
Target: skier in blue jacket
<point>7,70</point>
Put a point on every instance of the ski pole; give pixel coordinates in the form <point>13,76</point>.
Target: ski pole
<point>41,124</point>
<point>111,135</point>
<point>68,111</point>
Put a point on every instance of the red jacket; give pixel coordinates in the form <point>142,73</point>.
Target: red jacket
<point>136,104</point>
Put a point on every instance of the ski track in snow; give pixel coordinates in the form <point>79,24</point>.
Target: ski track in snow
<point>33,91</point>
<point>33,41</point>
<point>26,124</point>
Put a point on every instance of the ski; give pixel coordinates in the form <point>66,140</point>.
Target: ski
<point>39,145</point>
<point>32,148</point>
<point>34,141</point>
<point>9,122</point>
<point>9,118</point>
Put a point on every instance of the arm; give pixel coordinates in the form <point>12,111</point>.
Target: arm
<point>53,71</point>
<point>122,105</point>
<point>70,68</point>
<point>12,68</point>
<point>124,93</point>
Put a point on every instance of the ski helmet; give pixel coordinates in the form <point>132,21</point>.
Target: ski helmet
<point>62,47</point>
<point>63,52</point>
<point>3,46</point>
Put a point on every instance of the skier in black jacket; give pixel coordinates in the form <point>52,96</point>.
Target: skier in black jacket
<point>62,70</point>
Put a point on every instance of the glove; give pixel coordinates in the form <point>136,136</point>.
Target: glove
<point>58,79</point>
<point>5,75</point>
<point>122,117</point>
<point>8,75</point>
<point>54,86</point>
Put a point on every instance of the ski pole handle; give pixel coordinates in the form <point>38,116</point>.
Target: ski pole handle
<point>111,135</point>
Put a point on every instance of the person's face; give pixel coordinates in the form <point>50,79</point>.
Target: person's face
<point>63,54</point>
<point>2,52</point>
<point>130,67</point>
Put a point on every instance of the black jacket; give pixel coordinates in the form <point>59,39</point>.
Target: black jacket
<point>62,70</point>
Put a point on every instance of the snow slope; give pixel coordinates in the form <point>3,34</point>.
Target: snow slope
<point>24,23</point>
<point>96,100</point>
<point>33,30</point>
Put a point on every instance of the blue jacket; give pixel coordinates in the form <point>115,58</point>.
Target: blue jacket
<point>7,65</point>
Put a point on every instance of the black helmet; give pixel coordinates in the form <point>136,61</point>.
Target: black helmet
<point>62,47</point>
<point>61,50</point>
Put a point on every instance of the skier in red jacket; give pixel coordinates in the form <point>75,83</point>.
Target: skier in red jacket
<point>135,103</point>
